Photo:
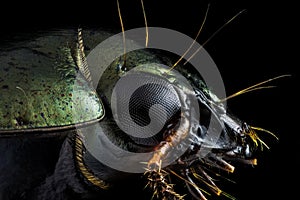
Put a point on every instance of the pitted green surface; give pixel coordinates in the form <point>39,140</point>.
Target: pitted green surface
<point>41,87</point>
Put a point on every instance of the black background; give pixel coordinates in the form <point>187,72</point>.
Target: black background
<point>258,45</point>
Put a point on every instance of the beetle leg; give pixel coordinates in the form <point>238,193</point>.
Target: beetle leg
<point>165,147</point>
<point>198,195</point>
<point>155,175</point>
<point>158,183</point>
<point>208,181</point>
<point>175,138</point>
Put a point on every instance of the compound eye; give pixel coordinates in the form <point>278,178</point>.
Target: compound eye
<point>149,95</point>
<point>146,106</point>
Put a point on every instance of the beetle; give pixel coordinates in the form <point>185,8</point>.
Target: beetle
<point>49,104</point>
<point>38,105</point>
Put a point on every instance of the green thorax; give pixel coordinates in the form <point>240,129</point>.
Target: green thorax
<point>41,87</point>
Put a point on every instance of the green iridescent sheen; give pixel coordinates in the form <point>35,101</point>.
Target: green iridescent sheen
<point>41,87</point>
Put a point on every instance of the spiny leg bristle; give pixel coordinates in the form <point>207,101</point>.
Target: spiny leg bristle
<point>162,189</point>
